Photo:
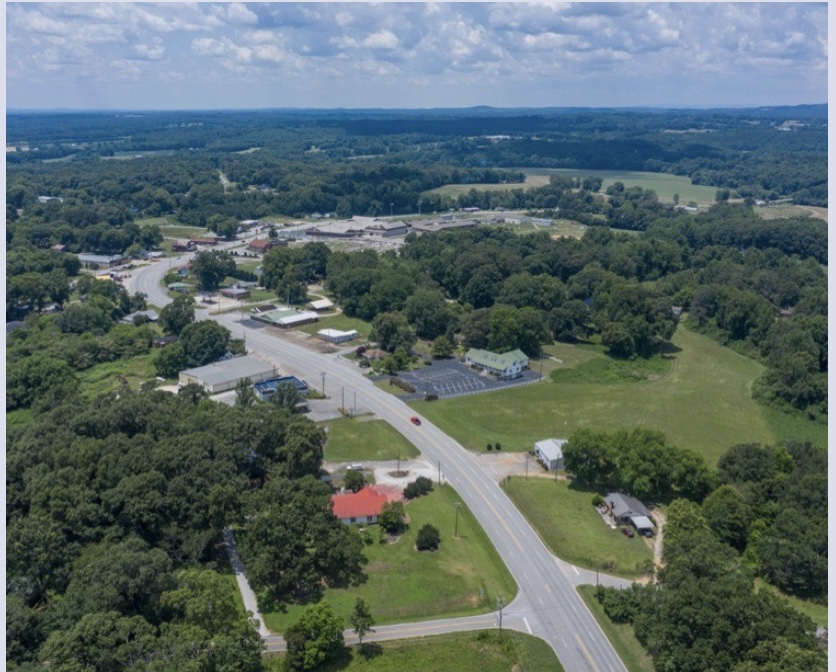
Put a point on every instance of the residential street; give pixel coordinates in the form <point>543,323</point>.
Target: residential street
<point>547,604</point>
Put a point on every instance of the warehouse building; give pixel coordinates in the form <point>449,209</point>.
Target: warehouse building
<point>337,336</point>
<point>226,374</point>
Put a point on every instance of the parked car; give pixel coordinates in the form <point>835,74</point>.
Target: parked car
<point>415,420</point>
<point>627,532</point>
<point>355,467</point>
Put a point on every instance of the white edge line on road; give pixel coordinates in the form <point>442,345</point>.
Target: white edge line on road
<point>576,570</point>
<point>528,627</point>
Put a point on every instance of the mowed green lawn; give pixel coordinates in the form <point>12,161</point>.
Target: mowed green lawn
<point>702,403</point>
<point>359,439</point>
<point>571,527</point>
<point>341,322</point>
<point>480,651</point>
<point>463,577</point>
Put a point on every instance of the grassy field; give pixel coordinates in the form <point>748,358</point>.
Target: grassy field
<point>794,427</point>
<point>621,636</point>
<point>481,651</point>
<point>342,323</point>
<point>571,527</point>
<point>107,377</point>
<point>702,403</point>
<point>463,577</point>
<point>818,612</point>
<point>358,439</point>
<point>663,184</point>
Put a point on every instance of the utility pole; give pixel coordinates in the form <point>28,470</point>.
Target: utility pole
<point>526,465</point>
<point>342,405</point>
<point>500,603</point>
<point>354,408</point>
<point>323,383</point>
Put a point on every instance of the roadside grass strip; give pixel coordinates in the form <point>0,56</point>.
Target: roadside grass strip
<point>359,439</point>
<point>481,651</point>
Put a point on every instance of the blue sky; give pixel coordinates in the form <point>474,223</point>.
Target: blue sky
<point>253,55</point>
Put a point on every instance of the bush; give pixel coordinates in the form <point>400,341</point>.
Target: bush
<point>497,446</point>
<point>597,500</point>
<point>406,387</point>
<point>428,538</point>
<point>490,447</point>
<point>421,486</point>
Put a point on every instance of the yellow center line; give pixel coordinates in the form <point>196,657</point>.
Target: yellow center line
<point>586,654</point>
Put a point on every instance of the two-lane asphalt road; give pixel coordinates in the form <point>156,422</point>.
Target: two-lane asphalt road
<point>547,604</point>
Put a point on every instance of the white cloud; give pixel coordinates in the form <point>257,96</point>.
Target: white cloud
<point>382,39</point>
<point>489,48</point>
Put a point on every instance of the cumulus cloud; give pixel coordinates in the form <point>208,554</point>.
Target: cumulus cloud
<point>487,48</point>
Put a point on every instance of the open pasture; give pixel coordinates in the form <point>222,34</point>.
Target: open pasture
<point>701,402</point>
<point>664,184</point>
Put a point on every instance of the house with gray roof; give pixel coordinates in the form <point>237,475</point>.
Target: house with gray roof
<point>506,366</point>
<point>627,510</point>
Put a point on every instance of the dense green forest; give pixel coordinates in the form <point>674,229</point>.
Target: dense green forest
<point>750,152</point>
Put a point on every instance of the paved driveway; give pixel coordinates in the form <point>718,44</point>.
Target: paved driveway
<point>450,378</point>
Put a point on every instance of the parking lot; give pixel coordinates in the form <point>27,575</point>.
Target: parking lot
<point>450,378</point>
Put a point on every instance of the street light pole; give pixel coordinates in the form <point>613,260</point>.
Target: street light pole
<point>500,603</point>
<point>323,383</point>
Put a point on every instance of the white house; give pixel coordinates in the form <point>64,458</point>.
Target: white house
<point>507,365</point>
<point>550,452</point>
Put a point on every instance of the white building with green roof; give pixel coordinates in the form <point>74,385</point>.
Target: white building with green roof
<point>506,366</point>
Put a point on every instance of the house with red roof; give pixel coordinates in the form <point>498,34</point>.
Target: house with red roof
<point>364,506</point>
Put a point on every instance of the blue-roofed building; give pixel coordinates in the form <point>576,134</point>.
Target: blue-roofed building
<point>267,388</point>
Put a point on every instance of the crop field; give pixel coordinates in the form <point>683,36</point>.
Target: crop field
<point>663,184</point>
<point>701,401</point>
<point>570,526</point>
<point>463,577</point>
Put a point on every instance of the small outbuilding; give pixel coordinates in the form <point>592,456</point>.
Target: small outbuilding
<point>321,304</point>
<point>235,293</point>
<point>550,453</point>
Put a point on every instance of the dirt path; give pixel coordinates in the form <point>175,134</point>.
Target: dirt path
<point>658,543</point>
<point>224,181</point>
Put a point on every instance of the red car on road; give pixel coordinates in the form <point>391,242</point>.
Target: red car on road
<point>415,420</point>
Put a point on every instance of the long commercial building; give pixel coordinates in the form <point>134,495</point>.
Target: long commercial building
<point>226,374</point>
